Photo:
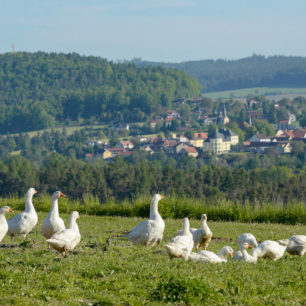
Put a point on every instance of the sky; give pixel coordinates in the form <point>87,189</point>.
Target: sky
<point>156,30</point>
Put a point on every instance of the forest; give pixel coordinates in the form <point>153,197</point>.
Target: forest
<point>121,180</point>
<point>40,89</point>
<point>253,71</point>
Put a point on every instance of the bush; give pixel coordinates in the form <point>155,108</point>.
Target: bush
<point>183,291</point>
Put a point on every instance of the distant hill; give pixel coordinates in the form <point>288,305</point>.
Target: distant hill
<point>39,89</point>
<point>254,71</point>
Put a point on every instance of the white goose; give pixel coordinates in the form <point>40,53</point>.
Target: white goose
<point>207,256</point>
<point>152,230</point>
<point>202,236</point>
<point>245,238</point>
<point>3,222</point>
<point>296,245</point>
<point>269,249</point>
<point>181,246</point>
<point>53,223</point>
<point>67,239</point>
<point>245,255</point>
<point>23,223</point>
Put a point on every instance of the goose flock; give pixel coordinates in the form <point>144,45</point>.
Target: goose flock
<point>182,245</point>
<point>148,233</point>
<point>53,227</point>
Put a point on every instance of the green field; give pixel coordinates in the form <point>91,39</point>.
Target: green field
<point>69,129</point>
<point>107,269</point>
<point>262,91</point>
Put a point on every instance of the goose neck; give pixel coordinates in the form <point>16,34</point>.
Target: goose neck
<point>54,208</point>
<point>2,217</point>
<point>186,227</point>
<point>154,210</point>
<point>29,207</point>
<point>73,225</point>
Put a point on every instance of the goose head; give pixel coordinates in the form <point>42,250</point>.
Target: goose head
<point>74,215</point>
<point>226,251</point>
<point>31,191</point>
<point>245,246</point>
<point>203,217</point>
<point>157,197</point>
<point>5,209</point>
<point>57,194</point>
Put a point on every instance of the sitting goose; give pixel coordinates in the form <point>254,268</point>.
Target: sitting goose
<point>245,238</point>
<point>150,231</point>
<point>3,222</point>
<point>181,246</point>
<point>296,245</point>
<point>202,236</point>
<point>53,223</point>
<point>23,223</point>
<point>67,239</point>
<point>207,256</point>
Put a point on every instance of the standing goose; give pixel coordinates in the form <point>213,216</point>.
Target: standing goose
<point>53,223</point>
<point>295,245</point>
<point>207,256</point>
<point>245,238</point>
<point>67,239</point>
<point>181,246</point>
<point>23,223</point>
<point>202,236</point>
<point>3,222</point>
<point>152,230</point>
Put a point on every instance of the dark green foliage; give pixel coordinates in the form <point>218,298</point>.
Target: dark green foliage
<point>254,71</point>
<point>121,180</point>
<point>183,291</point>
<point>38,89</point>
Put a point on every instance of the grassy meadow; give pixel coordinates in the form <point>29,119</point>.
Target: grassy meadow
<point>265,91</point>
<point>105,268</point>
<point>176,208</point>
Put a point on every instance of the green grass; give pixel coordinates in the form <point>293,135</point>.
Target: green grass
<point>265,91</point>
<point>177,208</point>
<point>69,130</point>
<point>107,269</point>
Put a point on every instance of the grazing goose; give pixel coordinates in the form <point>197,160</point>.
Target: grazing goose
<point>269,249</point>
<point>152,230</point>
<point>202,236</point>
<point>3,222</point>
<point>296,245</point>
<point>67,239</point>
<point>23,223</point>
<point>181,246</point>
<point>207,256</point>
<point>245,238</point>
<point>53,223</point>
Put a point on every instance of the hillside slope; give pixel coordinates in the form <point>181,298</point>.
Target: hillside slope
<point>254,71</point>
<point>39,89</point>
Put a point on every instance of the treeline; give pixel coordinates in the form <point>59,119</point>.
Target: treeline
<point>39,89</point>
<point>120,180</point>
<point>254,71</point>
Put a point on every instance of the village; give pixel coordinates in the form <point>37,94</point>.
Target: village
<point>176,134</point>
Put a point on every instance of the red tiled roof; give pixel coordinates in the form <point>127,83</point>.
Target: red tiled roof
<point>190,149</point>
<point>115,149</point>
<point>125,142</point>
<point>200,135</point>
